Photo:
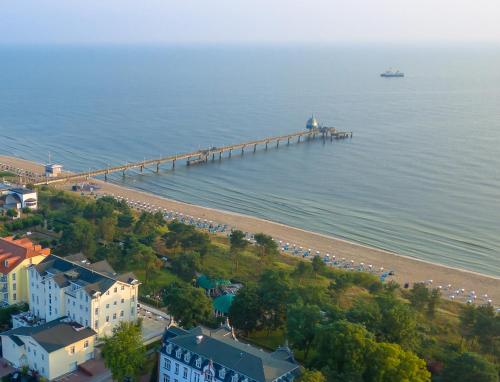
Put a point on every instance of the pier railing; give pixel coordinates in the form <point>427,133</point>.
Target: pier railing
<point>203,155</point>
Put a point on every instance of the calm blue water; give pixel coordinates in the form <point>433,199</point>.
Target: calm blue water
<point>421,175</point>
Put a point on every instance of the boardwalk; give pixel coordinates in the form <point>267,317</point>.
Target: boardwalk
<point>204,155</point>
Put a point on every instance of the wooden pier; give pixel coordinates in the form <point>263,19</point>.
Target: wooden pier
<point>204,155</point>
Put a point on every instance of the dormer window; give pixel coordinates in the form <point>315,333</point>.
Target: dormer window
<point>187,357</point>
<point>169,348</point>
<point>198,362</point>
<point>222,373</point>
<point>234,378</point>
<point>178,353</point>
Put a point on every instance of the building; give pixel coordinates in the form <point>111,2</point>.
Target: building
<point>200,355</point>
<point>312,123</point>
<point>18,198</point>
<point>15,258</point>
<point>51,349</point>
<point>93,295</point>
<point>53,170</point>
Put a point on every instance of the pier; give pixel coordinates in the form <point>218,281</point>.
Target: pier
<point>205,155</point>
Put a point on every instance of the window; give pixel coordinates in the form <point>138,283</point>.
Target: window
<point>176,369</point>
<point>14,297</point>
<point>72,350</point>
<point>116,289</point>
<point>96,311</point>
<point>14,277</point>
<point>43,357</point>
<point>123,300</point>
<point>96,324</point>
<point>123,287</point>
<point>178,353</point>
<point>86,344</point>
<point>166,378</point>
<point>114,316</point>
<point>196,377</point>
<point>107,306</point>
<point>185,372</point>
<point>132,311</point>
<point>86,322</point>
<point>234,378</point>
<point>114,302</point>
<point>107,318</point>
<point>107,293</point>
<point>222,373</point>
<point>187,357</point>
<point>198,362</point>
<point>34,352</point>
<point>121,313</point>
<point>14,286</point>
<point>167,364</point>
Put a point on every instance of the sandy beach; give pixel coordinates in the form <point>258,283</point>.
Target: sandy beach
<point>406,269</point>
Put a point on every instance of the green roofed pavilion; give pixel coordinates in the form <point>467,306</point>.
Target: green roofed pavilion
<point>222,304</point>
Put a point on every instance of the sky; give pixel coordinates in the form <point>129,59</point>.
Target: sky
<point>249,21</point>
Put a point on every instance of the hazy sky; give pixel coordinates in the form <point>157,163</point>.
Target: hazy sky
<point>131,21</point>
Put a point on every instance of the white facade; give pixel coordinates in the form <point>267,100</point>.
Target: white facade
<point>52,298</point>
<point>24,350</point>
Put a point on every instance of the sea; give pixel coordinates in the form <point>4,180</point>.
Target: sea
<point>421,175</point>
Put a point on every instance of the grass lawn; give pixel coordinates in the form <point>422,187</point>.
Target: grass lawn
<point>6,174</point>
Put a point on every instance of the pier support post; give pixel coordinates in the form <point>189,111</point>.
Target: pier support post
<point>213,157</point>
<point>288,141</point>
<point>277,143</point>
<point>266,144</point>
<point>105,176</point>
<point>142,168</point>
<point>220,155</point>
<point>300,136</point>
<point>123,173</point>
<point>158,167</point>
<point>254,148</point>
<point>173,164</point>
<point>243,150</point>
<point>230,152</point>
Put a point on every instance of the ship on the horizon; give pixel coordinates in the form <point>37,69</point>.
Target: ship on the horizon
<point>391,73</point>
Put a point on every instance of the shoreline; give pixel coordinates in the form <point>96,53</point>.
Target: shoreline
<point>407,269</point>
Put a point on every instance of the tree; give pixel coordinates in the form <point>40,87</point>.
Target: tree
<point>107,227</point>
<point>186,237</point>
<point>469,367</point>
<point>398,323</point>
<point>302,269</point>
<point>342,350</point>
<point>389,363</point>
<point>79,236</point>
<point>149,262</point>
<point>467,322</point>
<point>188,305</point>
<point>311,376</point>
<point>237,243</point>
<point>317,265</point>
<point>123,352</point>
<point>419,296</point>
<point>186,265</point>
<point>266,245</point>
<point>125,220</point>
<point>11,213</point>
<point>246,309</point>
<point>434,299</point>
<point>274,291</point>
<point>302,325</point>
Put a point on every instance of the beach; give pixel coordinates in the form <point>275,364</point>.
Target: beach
<point>406,269</point>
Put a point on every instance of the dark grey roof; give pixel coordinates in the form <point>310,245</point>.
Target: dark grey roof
<point>17,340</point>
<point>52,335</point>
<point>221,349</point>
<point>22,191</point>
<point>97,277</point>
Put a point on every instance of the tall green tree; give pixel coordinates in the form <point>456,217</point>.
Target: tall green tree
<point>390,363</point>
<point>419,296</point>
<point>123,352</point>
<point>186,265</point>
<point>188,305</point>
<point>470,367</point>
<point>274,292</point>
<point>266,245</point>
<point>311,376</point>
<point>302,326</point>
<point>79,236</point>
<point>238,243</point>
<point>245,312</point>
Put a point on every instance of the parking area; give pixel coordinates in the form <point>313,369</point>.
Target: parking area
<point>154,323</point>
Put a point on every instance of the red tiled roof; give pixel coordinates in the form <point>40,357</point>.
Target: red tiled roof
<point>12,252</point>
